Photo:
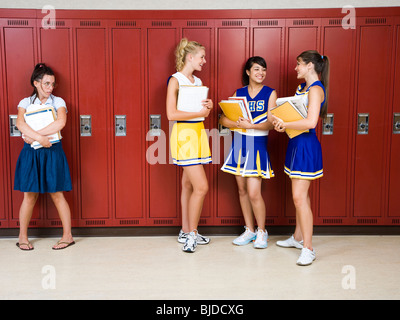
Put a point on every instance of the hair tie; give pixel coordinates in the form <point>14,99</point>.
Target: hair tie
<point>322,57</point>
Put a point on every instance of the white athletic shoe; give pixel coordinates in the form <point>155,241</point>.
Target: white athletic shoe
<point>261,241</point>
<point>246,237</point>
<point>200,239</point>
<point>190,243</point>
<point>306,257</point>
<point>290,243</point>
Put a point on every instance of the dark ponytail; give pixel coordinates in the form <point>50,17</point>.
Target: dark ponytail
<point>38,73</point>
<point>321,66</point>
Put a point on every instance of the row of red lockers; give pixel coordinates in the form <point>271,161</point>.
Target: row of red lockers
<point>112,72</point>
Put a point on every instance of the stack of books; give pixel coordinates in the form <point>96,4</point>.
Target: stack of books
<point>39,117</point>
<point>235,108</point>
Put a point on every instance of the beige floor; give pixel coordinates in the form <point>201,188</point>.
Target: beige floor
<point>347,267</point>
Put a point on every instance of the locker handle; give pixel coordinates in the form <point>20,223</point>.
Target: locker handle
<point>396,123</point>
<point>363,123</point>
<point>328,124</point>
<point>86,125</point>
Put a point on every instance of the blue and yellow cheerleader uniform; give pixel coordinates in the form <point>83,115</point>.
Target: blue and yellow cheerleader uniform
<point>248,156</point>
<point>43,170</point>
<point>189,141</point>
<point>304,155</point>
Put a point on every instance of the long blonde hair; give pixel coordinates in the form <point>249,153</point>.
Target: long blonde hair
<point>184,47</point>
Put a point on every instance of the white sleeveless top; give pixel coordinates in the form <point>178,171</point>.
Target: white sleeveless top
<point>184,81</point>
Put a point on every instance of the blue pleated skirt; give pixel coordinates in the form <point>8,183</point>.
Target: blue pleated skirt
<point>304,157</point>
<point>248,157</point>
<point>44,170</point>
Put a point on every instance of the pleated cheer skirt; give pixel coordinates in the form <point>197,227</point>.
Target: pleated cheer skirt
<point>189,144</point>
<point>43,170</point>
<point>304,157</point>
<point>248,157</point>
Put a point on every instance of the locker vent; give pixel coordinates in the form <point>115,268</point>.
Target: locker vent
<point>125,23</point>
<point>232,23</point>
<point>32,223</point>
<point>57,23</point>
<point>203,221</point>
<point>231,221</point>
<point>335,22</point>
<point>303,22</point>
<point>56,223</point>
<point>129,222</point>
<point>262,23</point>
<point>395,221</point>
<point>161,23</point>
<point>270,221</point>
<point>338,221</point>
<point>367,221</point>
<point>95,222</point>
<point>90,23</point>
<point>17,22</point>
<point>375,20</point>
<point>163,221</point>
<point>196,23</point>
<point>292,221</point>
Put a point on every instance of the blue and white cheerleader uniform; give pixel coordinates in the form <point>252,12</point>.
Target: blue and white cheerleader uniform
<point>43,170</point>
<point>248,156</point>
<point>304,155</point>
<point>189,141</point>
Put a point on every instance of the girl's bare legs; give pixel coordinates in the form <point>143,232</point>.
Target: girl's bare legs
<point>304,217</point>
<point>186,193</point>
<point>65,215</point>
<point>198,179</point>
<point>25,214</point>
<point>256,200</point>
<point>245,203</point>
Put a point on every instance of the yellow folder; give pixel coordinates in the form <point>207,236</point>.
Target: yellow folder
<point>288,113</point>
<point>232,111</point>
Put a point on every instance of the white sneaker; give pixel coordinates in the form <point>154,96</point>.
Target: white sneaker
<point>200,239</point>
<point>306,257</point>
<point>290,243</point>
<point>261,241</point>
<point>191,242</point>
<point>246,237</point>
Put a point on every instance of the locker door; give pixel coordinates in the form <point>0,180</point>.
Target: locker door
<point>202,32</point>
<point>335,186</point>
<point>374,65</point>
<point>95,124</point>
<point>55,46</point>
<point>4,186</point>
<point>164,205</point>
<point>232,47</point>
<point>20,58</point>
<point>129,122</point>
<point>267,42</point>
<point>302,35</point>
<point>394,169</point>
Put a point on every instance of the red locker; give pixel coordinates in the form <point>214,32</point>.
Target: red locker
<point>267,42</point>
<point>301,35</point>
<point>373,83</point>
<point>4,185</point>
<point>20,57</point>
<point>335,187</point>
<point>394,169</point>
<point>55,49</point>
<point>232,51</point>
<point>164,182</point>
<point>126,58</point>
<point>93,103</point>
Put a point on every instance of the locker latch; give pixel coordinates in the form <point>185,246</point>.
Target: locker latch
<point>120,125</point>
<point>155,125</point>
<point>327,127</point>
<point>86,126</point>
<point>396,123</point>
<point>363,123</point>
<point>14,132</point>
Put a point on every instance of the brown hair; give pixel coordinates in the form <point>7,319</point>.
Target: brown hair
<point>321,67</point>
